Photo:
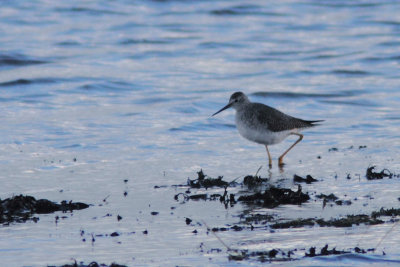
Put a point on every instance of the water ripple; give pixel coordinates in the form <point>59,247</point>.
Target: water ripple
<point>88,11</point>
<point>382,58</point>
<point>27,82</point>
<point>211,45</point>
<point>353,102</point>
<point>130,41</point>
<point>345,4</point>
<point>108,86</point>
<point>390,43</point>
<point>19,60</point>
<point>69,43</point>
<point>308,95</point>
<point>201,126</point>
<point>350,72</point>
<point>244,10</point>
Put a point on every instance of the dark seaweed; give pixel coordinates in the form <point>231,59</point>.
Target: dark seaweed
<point>21,208</point>
<point>371,175</point>
<point>258,218</point>
<point>206,182</point>
<point>279,255</point>
<point>330,197</point>
<point>263,256</point>
<point>347,221</point>
<point>309,179</point>
<point>274,197</point>
<point>295,223</point>
<point>254,181</point>
<point>92,264</point>
<point>385,212</point>
<point>325,252</point>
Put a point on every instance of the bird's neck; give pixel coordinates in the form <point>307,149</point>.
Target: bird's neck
<point>242,107</point>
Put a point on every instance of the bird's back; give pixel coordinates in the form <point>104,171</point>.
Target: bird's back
<point>263,116</point>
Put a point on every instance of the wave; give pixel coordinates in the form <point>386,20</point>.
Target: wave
<point>19,60</point>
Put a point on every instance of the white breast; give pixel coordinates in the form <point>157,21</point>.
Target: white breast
<point>260,134</point>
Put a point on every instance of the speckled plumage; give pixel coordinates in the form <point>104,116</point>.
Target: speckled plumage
<point>263,124</point>
<point>271,118</point>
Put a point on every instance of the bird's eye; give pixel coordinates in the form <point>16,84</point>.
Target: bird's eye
<point>236,100</point>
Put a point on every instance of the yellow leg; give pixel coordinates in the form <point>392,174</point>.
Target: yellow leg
<point>269,157</point>
<point>295,143</point>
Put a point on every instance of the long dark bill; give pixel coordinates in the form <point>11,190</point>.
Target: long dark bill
<point>222,109</point>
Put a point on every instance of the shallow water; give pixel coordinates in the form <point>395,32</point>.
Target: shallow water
<point>127,89</point>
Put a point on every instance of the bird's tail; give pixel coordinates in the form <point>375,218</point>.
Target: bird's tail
<point>313,123</point>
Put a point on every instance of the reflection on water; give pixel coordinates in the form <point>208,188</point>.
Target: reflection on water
<point>127,89</point>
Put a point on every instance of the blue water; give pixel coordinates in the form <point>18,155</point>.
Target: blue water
<point>127,89</point>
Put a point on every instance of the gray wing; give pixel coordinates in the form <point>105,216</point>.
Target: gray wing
<point>276,120</point>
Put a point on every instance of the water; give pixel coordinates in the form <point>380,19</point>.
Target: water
<point>127,89</point>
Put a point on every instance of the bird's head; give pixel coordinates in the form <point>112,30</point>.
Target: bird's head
<point>237,99</point>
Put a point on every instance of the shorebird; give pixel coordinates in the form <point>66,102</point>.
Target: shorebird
<point>265,125</point>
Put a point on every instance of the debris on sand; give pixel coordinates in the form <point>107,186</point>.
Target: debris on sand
<point>343,202</point>
<point>188,221</point>
<point>269,221</point>
<point>332,198</point>
<point>328,198</point>
<point>204,181</point>
<point>274,197</point>
<point>279,255</point>
<point>309,179</point>
<point>325,252</point>
<point>183,197</point>
<point>92,264</point>
<point>347,221</point>
<point>21,208</point>
<point>254,181</point>
<point>385,212</point>
<point>294,223</point>
<point>187,197</point>
<point>350,220</point>
<point>262,256</point>
<point>258,218</point>
<point>371,175</point>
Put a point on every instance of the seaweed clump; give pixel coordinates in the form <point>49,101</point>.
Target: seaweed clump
<point>308,180</point>
<point>21,208</point>
<point>324,252</point>
<point>274,197</point>
<point>258,218</point>
<point>279,255</point>
<point>327,252</point>
<point>371,175</point>
<point>92,264</point>
<point>347,221</point>
<point>206,182</point>
<point>263,256</point>
<point>328,198</point>
<point>203,181</point>
<point>332,198</point>
<point>385,212</point>
<point>294,223</point>
<point>253,181</point>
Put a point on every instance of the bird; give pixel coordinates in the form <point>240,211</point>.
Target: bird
<point>265,125</point>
